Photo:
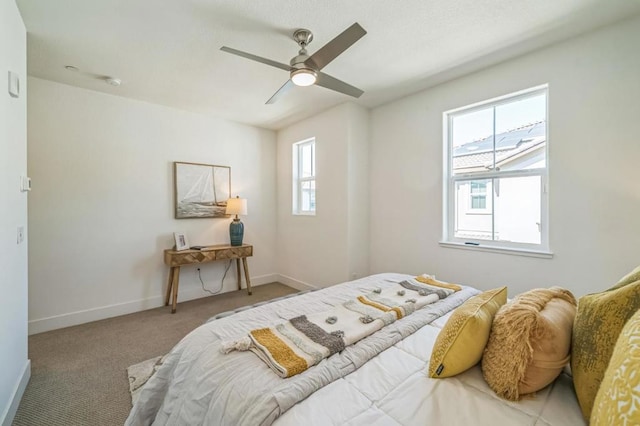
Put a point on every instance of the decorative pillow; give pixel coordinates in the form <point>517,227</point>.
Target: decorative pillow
<point>529,342</point>
<point>618,399</point>
<point>598,323</point>
<point>460,344</point>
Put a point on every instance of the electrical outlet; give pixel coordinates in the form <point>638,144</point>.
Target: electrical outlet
<point>20,234</point>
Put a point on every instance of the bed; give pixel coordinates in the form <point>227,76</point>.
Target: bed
<point>380,380</point>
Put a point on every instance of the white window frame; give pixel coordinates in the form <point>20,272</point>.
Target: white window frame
<point>298,180</point>
<point>450,180</point>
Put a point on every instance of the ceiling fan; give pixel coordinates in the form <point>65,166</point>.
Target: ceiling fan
<point>304,70</point>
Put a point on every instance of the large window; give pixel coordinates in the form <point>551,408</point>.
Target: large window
<point>304,177</point>
<point>496,173</point>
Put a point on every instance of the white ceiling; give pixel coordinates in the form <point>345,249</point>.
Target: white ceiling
<point>167,51</point>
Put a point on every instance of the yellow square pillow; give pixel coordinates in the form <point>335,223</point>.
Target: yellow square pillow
<point>598,323</point>
<point>617,399</point>
<point>460,344</point>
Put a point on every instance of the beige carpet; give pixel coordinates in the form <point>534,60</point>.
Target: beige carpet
<point>78,374</point>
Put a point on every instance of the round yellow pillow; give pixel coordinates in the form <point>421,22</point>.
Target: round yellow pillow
<point>530,342</point>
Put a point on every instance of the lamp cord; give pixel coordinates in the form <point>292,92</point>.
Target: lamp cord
<point>221,283</point>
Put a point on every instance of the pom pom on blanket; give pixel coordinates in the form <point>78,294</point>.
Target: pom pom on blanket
<point>242,344</point>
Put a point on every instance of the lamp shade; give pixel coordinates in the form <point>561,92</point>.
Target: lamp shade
<point>237,206</point>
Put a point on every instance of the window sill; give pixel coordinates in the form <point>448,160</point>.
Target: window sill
<point>303,214</point>
<point>501,250</point>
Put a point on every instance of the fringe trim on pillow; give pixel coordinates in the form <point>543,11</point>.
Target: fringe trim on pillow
<point>509,352</point>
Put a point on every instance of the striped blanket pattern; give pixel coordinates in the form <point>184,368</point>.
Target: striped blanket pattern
<point>294,346</point>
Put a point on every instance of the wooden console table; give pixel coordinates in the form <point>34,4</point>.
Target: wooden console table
<point>175,259</point>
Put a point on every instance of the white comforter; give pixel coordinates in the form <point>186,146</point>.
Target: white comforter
<point>198,385</point>
<point>393,389</point>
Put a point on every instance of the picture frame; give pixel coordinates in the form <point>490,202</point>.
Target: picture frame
<point>182,242</point>
<point>201,190</point>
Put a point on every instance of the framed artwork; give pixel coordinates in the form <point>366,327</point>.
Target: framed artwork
<point>201,190</point>
<point>182,243</point>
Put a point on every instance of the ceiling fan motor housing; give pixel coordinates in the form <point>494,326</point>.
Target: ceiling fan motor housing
<point>298,61</point>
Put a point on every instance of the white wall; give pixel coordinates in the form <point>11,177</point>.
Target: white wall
<point>14,365</point>
<point>357,201</point>
<point>96,244</point>
<point>101,210</point>
<point>331,246</point>
<point>594,87</point>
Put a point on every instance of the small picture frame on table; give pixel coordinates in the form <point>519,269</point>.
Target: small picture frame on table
<point>182,243</point>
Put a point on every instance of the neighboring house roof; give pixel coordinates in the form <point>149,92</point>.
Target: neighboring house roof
<point>509,145</point>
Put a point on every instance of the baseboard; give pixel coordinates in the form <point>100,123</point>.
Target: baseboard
<point>94,314</point>
<point>12,408</point>
<point>264,279</point>
<point>298,285</point>
<point>103,312</point>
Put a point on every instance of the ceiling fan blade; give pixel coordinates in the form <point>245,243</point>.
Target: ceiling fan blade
<point>325,80</point>
<point>256,58</point>
<point>281,91</point>
<point>335,47</point>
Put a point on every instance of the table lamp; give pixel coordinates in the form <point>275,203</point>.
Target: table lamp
<point>237,206</point>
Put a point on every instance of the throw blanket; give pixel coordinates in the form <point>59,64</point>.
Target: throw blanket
<point>294,346</point>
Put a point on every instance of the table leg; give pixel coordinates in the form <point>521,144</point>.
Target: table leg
<point>238,274</point>
<point>176,282</point>
<point>246,275</point>
<point>169,286</point>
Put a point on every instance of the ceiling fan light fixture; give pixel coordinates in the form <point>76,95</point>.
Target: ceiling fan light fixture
<point>305,70</point>
<point>303,77</point>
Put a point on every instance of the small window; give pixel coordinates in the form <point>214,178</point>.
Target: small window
<point>478,194</point>
<point>496,173</point>
<point>304,177</point>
